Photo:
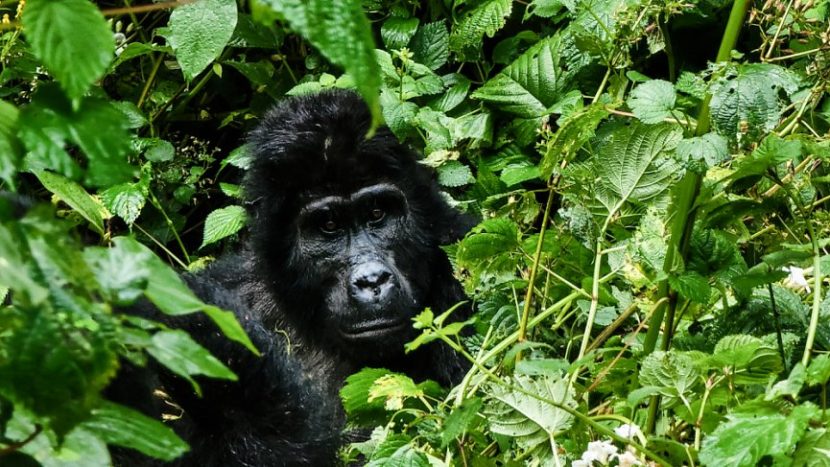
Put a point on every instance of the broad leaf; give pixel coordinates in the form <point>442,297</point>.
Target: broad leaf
<point>635,164</point>
<point>72,39</point>
<point>531,421</point>
<point>177,351</point>
<point>746,437</point>
<point>222,223</point>
<point>530,85</point>
<point>653,101</point>
<point>431,45</point>
<point>199,31</point>
<point>75,196</point>
<point>343,34</point>
<point>123,426</point>
<point>485,18</point>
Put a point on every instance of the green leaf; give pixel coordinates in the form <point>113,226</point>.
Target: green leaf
<point>813,449</point>
<point>532,422</point>
<point>342,33</point>
<point>707,151</point>
<point>772,151</point>
<point>49,124</point>
<point>355,396</point>
<point>223,223</point>
<point>398,114</point>
<point>123,426</point>
<point>72,39</point>
<point>530,85</point>
<point>199,31</point>
<point>454,174</point>
<point>635,164</point>
<point>572,134</point>
<point>691,286</point>
<point>748,99</point>
<point>122,274</point>
<point>818,373</point>
<point>752,361</point>
<point>169,293</point>
<point>177,351</point>
<point>485,18</point>
<point>75,196</point>
<point>460,420</point>
<point>127,199</point>
<point>396,32</point>
<point>10,147</point>
<point>653,101</point>
<point>747,437</point>
<point>431,45</point>
<point>674,373</point>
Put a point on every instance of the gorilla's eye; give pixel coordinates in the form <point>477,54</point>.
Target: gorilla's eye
<point>329,226</point>
<point>376,215</point>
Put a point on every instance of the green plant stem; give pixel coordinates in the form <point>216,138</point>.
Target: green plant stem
<point>505,343</point>
<point>150,80</point>
<point>534,269</point>
<point>664,30</point>
<point>814,315</point>
<point>592,311</point>
<point>682,212</point>
<point>155,202</point>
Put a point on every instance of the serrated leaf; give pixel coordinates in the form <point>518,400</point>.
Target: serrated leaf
<point>431,45</point>
<point>72,39</point>
<point>355,396</point>
<point>75,196</point>
<point>813,449</point>
<point>398,114</point>
<point>199,31</point>
<point>454,174</point>
<point>772,151</point>
<point>342,33</point>
<point>530,85</point>
<point>123,426</point>
<point>121,274</point>
<point>674,373</point>
<point>460,420</point>
<point>127,199</point>
<point>751,359</point>
<point>708,150</point>
<point>748,100</point>
<point>745,438</point>
<point>574,132</point>
<point>635,164</point>
<point>222,223</point>
<point>485,18</point>
<point>691,286</point>
<point>532,422</point>
<point>653,101</point>
<point>396,32</point>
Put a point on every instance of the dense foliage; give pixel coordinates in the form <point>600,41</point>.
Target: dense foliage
<point>648,277</point>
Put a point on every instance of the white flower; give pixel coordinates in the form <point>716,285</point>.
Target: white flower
<point>796,278</point>
<point>600,451</point>
<point>628,459</point>
<point>628,431</point>
<point>581,463</point>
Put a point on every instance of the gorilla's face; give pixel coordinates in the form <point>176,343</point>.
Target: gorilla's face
<point>347,229</point>
<point>360,252</point>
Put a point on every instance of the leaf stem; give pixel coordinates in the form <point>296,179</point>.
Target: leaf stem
<point>535,268</point>
<point>682,214</point>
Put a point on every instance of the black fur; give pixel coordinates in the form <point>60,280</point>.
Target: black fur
<point>344,251</point>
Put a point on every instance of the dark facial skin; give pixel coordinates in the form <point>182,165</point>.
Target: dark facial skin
<point>351,242</point>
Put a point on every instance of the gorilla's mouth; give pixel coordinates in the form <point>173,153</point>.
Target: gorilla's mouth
<point>373,329</point>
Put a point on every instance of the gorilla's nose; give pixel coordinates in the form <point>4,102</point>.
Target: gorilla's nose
<point>371,283</point>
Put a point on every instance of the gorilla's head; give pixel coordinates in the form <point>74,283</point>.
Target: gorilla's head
<point>347,229</point>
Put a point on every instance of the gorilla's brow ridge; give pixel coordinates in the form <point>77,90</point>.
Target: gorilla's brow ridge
<point>369,191</point>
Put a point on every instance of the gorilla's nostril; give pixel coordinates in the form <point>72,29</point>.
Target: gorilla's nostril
<point>371,282</point>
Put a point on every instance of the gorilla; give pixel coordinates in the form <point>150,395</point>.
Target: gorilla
<point>344,250</point>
